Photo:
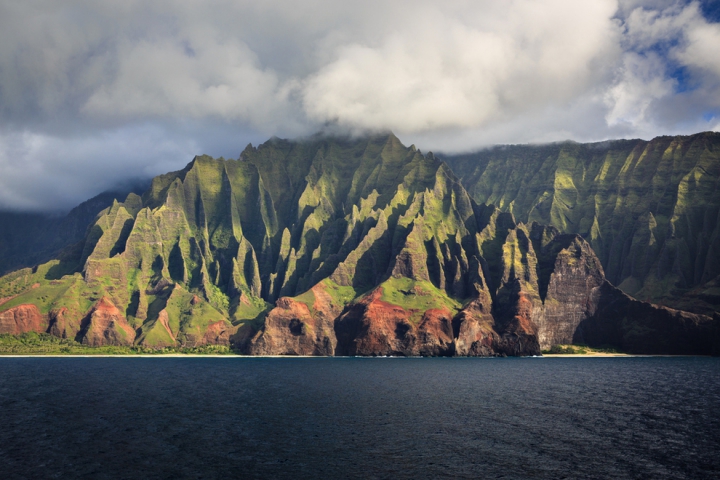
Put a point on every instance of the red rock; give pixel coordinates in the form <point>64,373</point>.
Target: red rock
<point>62,324</point>
<point>374,327</point>
<point>291,329</point>
<point>106,325</point>
<point>22,319</point>
<point>217,333</point>
<point>435,333</point>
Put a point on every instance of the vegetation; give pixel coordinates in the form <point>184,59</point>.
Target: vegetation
<point>416,296</point>
<point>208,250</point>
<point>43,344</point>
<point>648,209</point>
<point>578,350</point>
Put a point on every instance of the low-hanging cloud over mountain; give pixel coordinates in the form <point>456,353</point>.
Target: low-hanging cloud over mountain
<point>94,92</point>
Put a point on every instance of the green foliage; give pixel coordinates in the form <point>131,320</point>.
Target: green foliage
<point>42,293</point>
<point>217,298</point>
<point>579,350</point>
<point>44,344</point>
<point>221,240</point>
<point>341,295</point>
<point>416,296</point>
<point>648,209</point>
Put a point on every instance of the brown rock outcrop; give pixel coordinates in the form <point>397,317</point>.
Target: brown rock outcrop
<point>435,333</point>
<point>474,331</point>
<point>581,306</point>
<point>515,323</point>
<point>576,274</point>
<point>62,323</point>
<point>217,333</point>
<point>374,327</point>
<point>105,325</point>
<point>509,331</point>
<point>292,329</point>
<point>22,319</point>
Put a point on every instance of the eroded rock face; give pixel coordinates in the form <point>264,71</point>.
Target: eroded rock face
<point>553,293</point>
<point>217,333</point>
<point>519,332</point>
<point>105,325</point>
<point>374,327</point>
<point>22,319</point>
<point>474,331</point>
<point>575,277</point>
<point>647,245</point>
<point>581,306</point>
<point>62,324</point>
<point>435,333</point>
<point>292,329</point>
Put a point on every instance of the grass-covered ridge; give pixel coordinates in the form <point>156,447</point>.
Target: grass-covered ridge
<point>416,296</point>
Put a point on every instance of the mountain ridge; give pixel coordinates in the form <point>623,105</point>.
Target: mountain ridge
<point>363,245</point>
<point>649,208</point>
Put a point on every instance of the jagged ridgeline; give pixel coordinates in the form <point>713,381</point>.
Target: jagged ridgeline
<point>650,210</point>
<point>332,246</point>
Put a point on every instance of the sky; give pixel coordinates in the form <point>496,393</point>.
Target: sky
<point>94,94</point>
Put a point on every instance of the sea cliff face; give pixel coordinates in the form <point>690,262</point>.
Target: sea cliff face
<point>332,247</point>
<point>649,209</point>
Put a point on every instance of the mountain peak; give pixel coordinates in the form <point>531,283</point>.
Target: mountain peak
<point>339,244</point>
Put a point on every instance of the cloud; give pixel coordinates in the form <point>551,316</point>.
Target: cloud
<point>443,71</point>
<point>172,79</point>
<point>42,172</point>
<point>642,82</point>
<point>667,61</point>
<point>92,90</point>
<point>700,47</point>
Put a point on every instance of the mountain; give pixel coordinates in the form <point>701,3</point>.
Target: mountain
<point>28,238</point>
<point>650,210</point>
<point>333,246</point>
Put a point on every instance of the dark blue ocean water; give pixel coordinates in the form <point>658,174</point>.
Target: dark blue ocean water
<point>506,418</point>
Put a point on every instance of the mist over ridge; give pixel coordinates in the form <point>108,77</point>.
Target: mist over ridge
<point>93,91</point>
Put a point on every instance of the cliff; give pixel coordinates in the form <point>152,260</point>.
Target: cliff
<point>32,238</point>
<point>332,246</point>
<point>649,209</point>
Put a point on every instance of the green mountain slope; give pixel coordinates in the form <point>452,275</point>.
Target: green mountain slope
<point>330,246</point>
<point>28,239</point>
<point>650,210</point>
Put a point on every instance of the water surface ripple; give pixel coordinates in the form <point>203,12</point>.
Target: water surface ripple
<point>168,418</point>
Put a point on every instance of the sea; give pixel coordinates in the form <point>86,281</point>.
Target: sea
<point>366,418</point>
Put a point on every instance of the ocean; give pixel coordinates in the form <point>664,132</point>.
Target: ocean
<point>369,418</point>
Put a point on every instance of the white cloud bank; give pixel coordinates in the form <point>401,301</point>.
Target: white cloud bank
<point>95,91</point>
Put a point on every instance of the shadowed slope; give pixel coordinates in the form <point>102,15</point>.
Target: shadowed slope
<point>649,209</point>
